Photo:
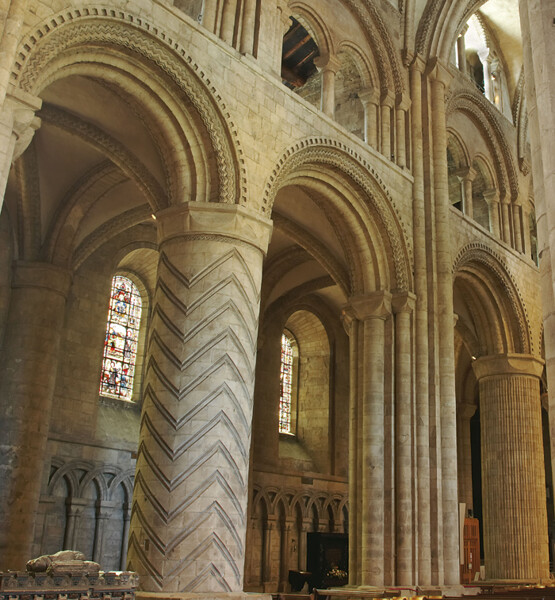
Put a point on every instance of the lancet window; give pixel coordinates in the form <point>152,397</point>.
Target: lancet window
<point>120,343</point>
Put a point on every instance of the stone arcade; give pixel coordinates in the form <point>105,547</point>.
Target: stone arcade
<point>334,309</point>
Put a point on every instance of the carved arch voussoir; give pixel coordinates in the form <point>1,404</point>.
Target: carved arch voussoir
<point>79,27</point>
<point>320,150</point>
<point>478,252</point>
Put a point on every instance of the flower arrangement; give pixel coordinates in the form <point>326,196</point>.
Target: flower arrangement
<point>335,571</point>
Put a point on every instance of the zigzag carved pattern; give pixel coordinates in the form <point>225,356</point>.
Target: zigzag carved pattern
<point>189,504</point>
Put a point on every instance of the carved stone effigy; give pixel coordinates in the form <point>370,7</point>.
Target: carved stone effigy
<point>67,574</point>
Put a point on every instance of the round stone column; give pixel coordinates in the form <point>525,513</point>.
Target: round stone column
<point>513,472</point>
<point>28,365</point>
<point>365,322</point>
<point>189,516</point>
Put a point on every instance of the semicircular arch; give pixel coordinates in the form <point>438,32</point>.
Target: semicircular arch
<point>57,46</point>
<point>341,169</point>
<point>497,299</point>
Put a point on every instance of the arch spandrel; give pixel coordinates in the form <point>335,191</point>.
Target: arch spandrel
<point>491,274</point>
<point>54,47</point>
<point>341,168</point>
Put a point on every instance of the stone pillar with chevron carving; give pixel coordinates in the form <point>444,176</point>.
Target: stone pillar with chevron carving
<point>189,515</point>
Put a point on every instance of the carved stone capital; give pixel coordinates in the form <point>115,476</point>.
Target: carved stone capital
<point>371,306</point>
<point>508,364</point>
<point>369,95</point>
<point>402,101</point>
<point>327,62</point>
<point>437,71</point>
<point>213,219</point>
<point>22,107</point>
<point>403,302</point>
<point>466,173</point>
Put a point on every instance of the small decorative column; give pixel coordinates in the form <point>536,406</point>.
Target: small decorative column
<point>403,104</point>
<point>285,553</point>
<point>125,537</point>
<point>249,27</point>
<point>403,306</point>
<point>209,15</point>
<point>228,21</point>
<point>74,510</point>
<point>513,472</point>
<point>303,543</point>
<point>387,104</point>
<point>526,241</point>
<point>104,511</point>
<point>461,50</point>
<point>328,65</point>
<point>467,175</point>
<point>28,366</point>
<point>270,528</point>
<point>370,98</point>
<point>282,25</point>
<point>506,216</point>
<point>189,518</point>
<point>365,317</point>
<point>518,227</point>
<point>492,199</point>
<point>485,59</point>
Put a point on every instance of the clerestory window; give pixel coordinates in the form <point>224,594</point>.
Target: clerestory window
<point>120,343</point>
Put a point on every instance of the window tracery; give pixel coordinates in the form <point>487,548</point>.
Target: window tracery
<point>120,343</point>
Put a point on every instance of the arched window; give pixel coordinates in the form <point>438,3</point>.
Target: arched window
<point>286,385</point>
<point>120,344</point>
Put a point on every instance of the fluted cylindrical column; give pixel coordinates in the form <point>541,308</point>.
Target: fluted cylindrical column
<point>421,330</point>
<point>513,472</point>
<point>439,80</point>
<point>367,314</point>
<point>403,305</point>
<point>28,366</point>
<point>193,457</point>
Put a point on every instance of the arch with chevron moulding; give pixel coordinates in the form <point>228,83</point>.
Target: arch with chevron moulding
<point>478,253</point>
<point>337,156</point>
<point>482,113</point>
<point>44,50</point>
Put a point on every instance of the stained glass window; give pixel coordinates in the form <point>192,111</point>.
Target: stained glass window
<point>120,344</point>
<point>286,380</point>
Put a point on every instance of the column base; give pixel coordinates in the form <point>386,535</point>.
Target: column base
<point>202,596</point>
